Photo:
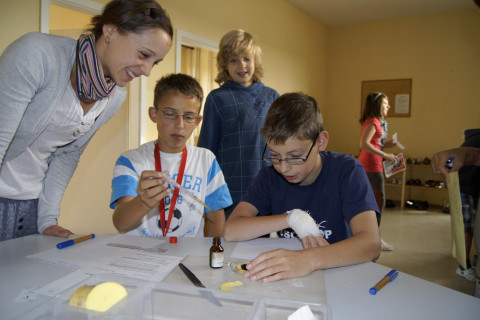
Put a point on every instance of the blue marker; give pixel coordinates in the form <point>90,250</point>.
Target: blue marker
<point>69,243</point>
<point>380,284</point>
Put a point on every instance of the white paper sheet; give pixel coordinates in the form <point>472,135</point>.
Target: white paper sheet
<point>88,253</point>
<point>132,264</point>
<point>402,103</point>
<point>139,265</point>
<point>395,139</point>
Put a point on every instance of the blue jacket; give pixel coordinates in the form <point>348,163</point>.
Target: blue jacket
<point>232,120</point>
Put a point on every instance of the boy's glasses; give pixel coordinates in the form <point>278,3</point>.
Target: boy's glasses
<point>290,161</point>
<point>173,115</point>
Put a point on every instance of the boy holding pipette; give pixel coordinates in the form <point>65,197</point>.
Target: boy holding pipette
<point>145,199</point>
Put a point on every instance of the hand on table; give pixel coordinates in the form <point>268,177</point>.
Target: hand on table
<point>279,264</point>
<point>57,231</point>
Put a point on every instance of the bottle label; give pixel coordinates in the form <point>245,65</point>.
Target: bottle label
<point>217,259</point>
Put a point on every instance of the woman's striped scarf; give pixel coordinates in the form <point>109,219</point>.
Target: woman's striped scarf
<point>92,85</point>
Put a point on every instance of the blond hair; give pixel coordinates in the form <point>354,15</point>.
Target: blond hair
<point>233,44</point>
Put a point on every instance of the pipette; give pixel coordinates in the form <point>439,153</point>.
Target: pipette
<point>188,193</point>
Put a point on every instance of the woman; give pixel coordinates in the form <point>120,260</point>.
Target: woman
<point>372,141</point>
<point>55,93</point>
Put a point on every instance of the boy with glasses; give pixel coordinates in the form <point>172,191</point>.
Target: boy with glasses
<point>340,227</point>
<point>143,201</point>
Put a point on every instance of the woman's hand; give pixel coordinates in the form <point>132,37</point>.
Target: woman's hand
<point>390,157</point>
<point>57,231</point>
<point>389,144</point>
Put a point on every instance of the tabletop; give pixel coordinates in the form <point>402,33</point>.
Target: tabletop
<point>347,295</point>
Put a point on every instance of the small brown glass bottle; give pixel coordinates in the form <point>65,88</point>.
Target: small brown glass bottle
<point>216,254</point>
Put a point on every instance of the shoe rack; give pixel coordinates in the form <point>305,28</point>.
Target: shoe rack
<point>423,191</point>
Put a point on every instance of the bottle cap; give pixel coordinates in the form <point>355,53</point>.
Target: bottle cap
<point>173,239</point>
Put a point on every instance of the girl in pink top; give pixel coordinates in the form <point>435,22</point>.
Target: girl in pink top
<point>372,141</point>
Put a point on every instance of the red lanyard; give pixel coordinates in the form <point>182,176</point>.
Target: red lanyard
<point>161,206</point>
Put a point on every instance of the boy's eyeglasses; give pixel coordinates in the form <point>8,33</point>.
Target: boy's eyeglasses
<point>290,161</point>
<point>173,115</point>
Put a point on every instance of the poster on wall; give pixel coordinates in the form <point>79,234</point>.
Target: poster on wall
<point>402,103</point>
<point>398,91</point>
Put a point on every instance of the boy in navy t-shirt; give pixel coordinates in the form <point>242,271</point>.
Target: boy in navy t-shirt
<point>328,199</point>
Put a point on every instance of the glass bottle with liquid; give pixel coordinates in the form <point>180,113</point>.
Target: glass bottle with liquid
<point>216,254</point>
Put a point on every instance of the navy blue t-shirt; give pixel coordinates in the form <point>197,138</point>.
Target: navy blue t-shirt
<point>340,192</point>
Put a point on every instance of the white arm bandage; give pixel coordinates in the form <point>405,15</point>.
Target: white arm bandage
<point>302,223</point>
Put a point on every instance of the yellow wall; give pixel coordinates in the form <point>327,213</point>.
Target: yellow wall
<point>440,52</point>
<point>16,20</point>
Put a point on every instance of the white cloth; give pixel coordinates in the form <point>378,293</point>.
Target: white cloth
<point>302,223</point>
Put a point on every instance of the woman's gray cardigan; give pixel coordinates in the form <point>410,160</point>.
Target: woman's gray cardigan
<point>34,73</point>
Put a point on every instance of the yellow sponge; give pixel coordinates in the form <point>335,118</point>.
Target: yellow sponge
<point>228,286</point>
<point>100,297</point>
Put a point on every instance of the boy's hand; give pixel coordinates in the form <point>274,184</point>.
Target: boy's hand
<point>313,242</point>
<point>152,188</point>
<point>279,264</point>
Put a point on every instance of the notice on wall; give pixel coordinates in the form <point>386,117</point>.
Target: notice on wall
<point>402,103</point>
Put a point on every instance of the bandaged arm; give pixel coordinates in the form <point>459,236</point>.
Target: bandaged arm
<point>302,223</point>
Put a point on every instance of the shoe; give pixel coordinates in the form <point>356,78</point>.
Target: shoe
<point>389,204</point>
<point>385,246</point>
<point>430,183</point>
<point>421,205</point>
<point>468,274</point>
<point>410,204</point>
<point>440,185</point>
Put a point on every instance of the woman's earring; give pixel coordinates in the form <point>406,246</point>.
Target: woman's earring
<point>107,39</point>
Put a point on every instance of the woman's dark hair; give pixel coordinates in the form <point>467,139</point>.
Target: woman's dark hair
<point>132,16</point>
<point>373,106</point>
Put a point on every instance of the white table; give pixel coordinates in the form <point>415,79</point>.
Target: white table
<point>407,297</point>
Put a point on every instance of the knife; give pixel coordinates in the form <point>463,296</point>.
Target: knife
<point>191,276</point>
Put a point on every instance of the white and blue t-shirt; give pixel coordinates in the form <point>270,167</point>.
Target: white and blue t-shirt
<point>202,177</point>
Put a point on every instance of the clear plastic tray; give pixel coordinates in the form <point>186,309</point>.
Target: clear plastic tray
<point>170,301</point>
<point>173,301</point>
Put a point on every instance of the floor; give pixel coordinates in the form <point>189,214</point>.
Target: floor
<point>422,246</point>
